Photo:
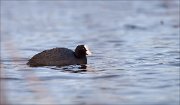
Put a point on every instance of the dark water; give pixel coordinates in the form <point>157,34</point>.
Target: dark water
<point>135,47</point>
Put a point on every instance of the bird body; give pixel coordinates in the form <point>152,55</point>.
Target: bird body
<point>59,57</point>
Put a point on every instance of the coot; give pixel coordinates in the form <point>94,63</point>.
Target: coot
<point>60,57</point>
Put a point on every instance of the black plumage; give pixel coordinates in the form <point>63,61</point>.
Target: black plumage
<point>60,57</point>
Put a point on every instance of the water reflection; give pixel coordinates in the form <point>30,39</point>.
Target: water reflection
<point>71,68</point>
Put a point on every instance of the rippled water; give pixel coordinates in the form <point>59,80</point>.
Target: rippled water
<point>135,47</point>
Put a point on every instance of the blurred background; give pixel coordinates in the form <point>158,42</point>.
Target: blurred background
<point>135,45</point>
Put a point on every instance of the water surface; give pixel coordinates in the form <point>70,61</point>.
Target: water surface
<point>135,47</point>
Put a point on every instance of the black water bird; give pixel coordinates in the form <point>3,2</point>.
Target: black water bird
<point>60,57</point>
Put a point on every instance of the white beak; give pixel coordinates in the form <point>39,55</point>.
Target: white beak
<point>88,52</point>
